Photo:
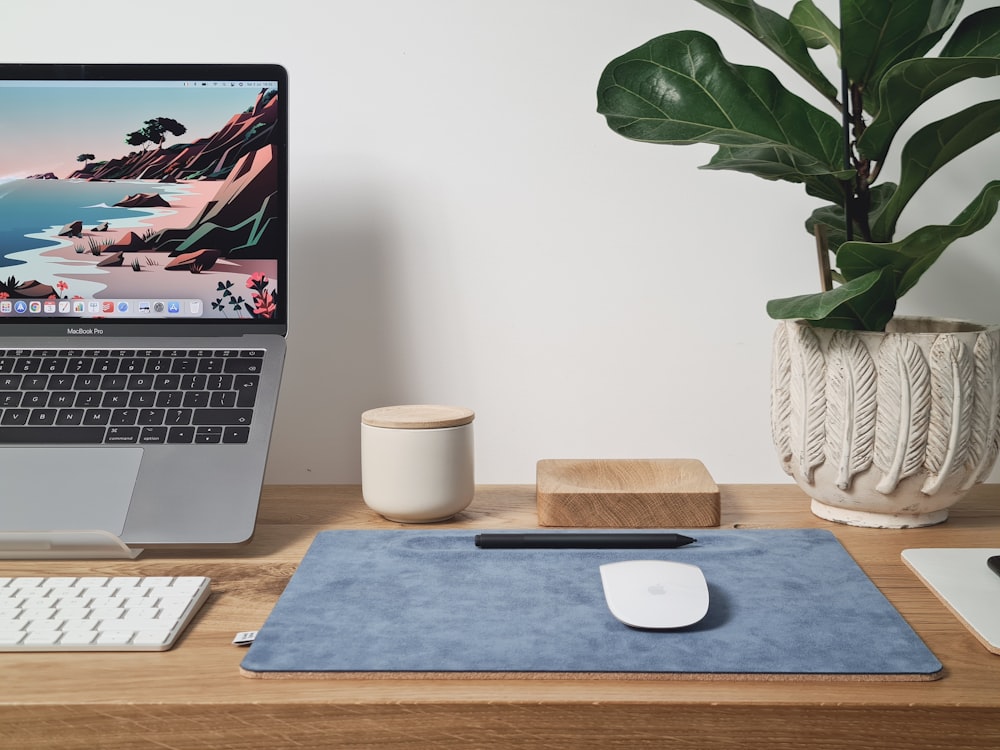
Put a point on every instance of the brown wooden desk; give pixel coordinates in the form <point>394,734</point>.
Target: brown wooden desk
<point>194,696</point>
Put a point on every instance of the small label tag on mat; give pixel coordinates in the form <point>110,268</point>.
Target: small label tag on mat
<point>245,638</point>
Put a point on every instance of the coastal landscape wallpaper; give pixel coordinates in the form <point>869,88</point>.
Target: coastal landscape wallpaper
<point>137,195</point>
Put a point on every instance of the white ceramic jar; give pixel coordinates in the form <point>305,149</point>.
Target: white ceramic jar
<point>417,461</point>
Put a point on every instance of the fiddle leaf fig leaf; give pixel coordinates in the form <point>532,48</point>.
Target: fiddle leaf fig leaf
<point>930,149</point>
<point>816,29</point>
<point>780,164</point>
<point>910,84</point>
<point>878,35</point>
<point>972,52</point>
<point>908,258</point>
<point>832,216</point>
<point>679,89</point>
<point>865,303</point>
<point>778,34</point>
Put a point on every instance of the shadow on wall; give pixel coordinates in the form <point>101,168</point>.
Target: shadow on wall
<point>341,337</point>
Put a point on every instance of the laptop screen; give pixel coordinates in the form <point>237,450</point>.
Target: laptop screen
<point>143,195</point>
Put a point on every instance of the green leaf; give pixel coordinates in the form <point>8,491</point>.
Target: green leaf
<point>779,35</point>
<point>910,84</point>
<point>679,89</point>
<point>908,258</point>
<point>877,35</point>
<point>977,35</point>
<point>778,164</point>
<point>832,216</point>
<point>930,149</point>
<point>816,29</point>
<point>865,303</point>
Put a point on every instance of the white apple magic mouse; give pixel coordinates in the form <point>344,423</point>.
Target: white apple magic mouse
<point>655,594</point>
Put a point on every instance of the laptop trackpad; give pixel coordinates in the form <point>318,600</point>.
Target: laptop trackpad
<point>67,489</point>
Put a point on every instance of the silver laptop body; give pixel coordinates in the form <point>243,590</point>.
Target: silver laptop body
<point>143,303</point>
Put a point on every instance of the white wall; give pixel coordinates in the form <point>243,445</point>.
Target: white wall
<point>467,230</point>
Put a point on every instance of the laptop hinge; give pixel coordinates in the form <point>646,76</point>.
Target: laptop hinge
<point>47,545</point>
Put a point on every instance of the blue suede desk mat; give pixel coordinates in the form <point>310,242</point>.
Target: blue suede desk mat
<point>784,604</point>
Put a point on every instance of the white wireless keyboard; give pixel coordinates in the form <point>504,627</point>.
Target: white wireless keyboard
<point>97,613</point>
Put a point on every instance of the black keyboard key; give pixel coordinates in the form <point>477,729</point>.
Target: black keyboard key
<point>153,435</point>
<point>222,416</point>
<point>157,365</point>
<point>10,382</point>
<point>142,399</point>
<point>35,399</point>
<point>62,399</point>
<point>208,435</point>
<point>87,382</point>
<point>219,382</point>
<point>114,382</point>
<point>122,435</point>
<point>178,416</point>
<point>169,399</point>
<point>96,417</point>
<point>184,365</point>
<point>53,364</point>
<point>139,382</point>
<point>194,399</point>
<point>211,364</point>
<point>15,417</point>
<point>222,399</point>
<point>34,382</point>
<point>42,417</point>
<point>105,365</point>
<point>88,399</point>
<point>150,417</point>
<point>167,382</point>
<point>50,435</point>
<point>115,398</point>
<point>180,435</point>
<point>124,416</point>
<point>244,365</point>
<point>61,382</point>
<point>69,417</point>
<point>246,390</point>
<point>236,435</point>
<point>10,399</point>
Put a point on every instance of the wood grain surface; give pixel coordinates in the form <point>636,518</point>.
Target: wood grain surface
<point>626,493</point>
<point>194,696</point>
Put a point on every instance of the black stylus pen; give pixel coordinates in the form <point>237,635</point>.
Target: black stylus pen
<point>582,540</point>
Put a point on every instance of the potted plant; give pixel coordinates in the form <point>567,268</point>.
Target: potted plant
<point>882,420</point>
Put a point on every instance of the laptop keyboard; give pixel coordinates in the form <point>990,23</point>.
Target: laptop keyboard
<point>138,396</point>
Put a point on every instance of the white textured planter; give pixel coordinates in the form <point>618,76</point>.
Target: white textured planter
<point>889,429</point>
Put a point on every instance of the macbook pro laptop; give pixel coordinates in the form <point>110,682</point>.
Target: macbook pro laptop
<point>143,303</point>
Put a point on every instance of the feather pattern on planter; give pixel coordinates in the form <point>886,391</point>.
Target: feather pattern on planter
<point>984,435</point>
<point>952,376</point>
<point>807,394</point>
<point>850,405</point>
<point>904,410</point>
<point>780,404</point>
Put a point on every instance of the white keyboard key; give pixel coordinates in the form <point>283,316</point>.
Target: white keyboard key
<point>48,638</point>
<point>151,637</point>
<point>97,614</point>
<point>78,638</point>
<point>115,637</point>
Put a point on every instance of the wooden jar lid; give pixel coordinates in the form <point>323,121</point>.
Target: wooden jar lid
<point>418,417</point>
